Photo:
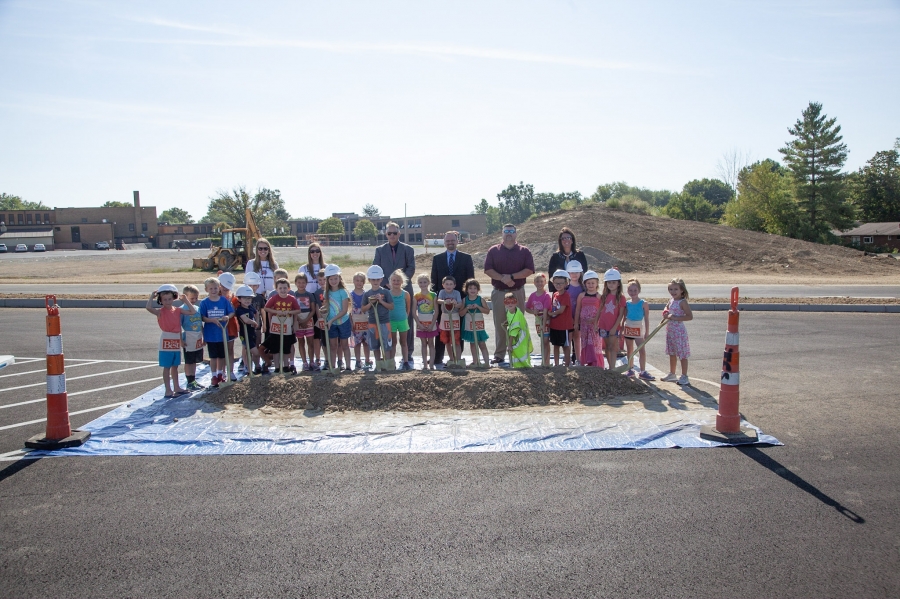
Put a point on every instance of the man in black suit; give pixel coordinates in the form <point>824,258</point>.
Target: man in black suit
<point>455,263</point>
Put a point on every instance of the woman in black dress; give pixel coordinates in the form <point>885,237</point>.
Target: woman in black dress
<point>567,252</point>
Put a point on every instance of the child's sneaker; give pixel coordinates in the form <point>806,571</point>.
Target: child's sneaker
<point>293,369</point>
<point>195,386</point>
<point>630,373</point>
<point>669,378</point>
<point>683,381</point>
<point>233,378</point>
<point>214,381</point>
<point>647,376</point>
<point>314,367</point>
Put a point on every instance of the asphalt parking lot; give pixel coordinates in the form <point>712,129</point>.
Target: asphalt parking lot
<point>816,517</point>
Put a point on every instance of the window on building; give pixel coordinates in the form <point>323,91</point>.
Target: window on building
<point>28,218</point>
<point>854,239</point>
<point>46,218</point>
<point>868,240</point>
<point>143,226</point>
<point>21,219</point>
<point>131,227</point>
<point>454,222</point>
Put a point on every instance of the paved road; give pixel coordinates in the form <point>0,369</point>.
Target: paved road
<point>817,517</point>
<point>649,290</point>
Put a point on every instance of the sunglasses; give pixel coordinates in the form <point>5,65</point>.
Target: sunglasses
<point>262,249</point>
<point>315,251</point>
<point>509,231</point>
<point>566,238</point>
<point>393,232</point>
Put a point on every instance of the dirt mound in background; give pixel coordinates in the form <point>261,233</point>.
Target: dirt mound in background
<point>639,243</point>
<point>419,390</point>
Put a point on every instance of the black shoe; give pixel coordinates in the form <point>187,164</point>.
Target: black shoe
<point>497,361</point>
<point>293,369</point>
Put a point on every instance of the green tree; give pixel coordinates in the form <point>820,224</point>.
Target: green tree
<point>482,207</point>
<point>331,225</point>
<point>875,189</point>
<point>116,204</point>
<point>371,211</point>
<point>364,229</point>
<point>685,206</point>
<point>516,203</point>
<point>265,205</point>
<point>815,157</point>
<point>765,201</point>
<point>11,202</point>
<point>716,192</point>
<point>620,189</point>
<point>175,216</point>
<point>491,213</point>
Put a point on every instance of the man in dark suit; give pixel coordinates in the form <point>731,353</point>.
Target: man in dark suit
<point>390,257</point>
<point>455,263</point>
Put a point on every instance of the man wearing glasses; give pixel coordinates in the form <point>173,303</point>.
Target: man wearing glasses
<point>508,264</point>
<point>390,257</point>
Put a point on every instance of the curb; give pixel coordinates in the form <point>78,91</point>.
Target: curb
<point>868,308</point>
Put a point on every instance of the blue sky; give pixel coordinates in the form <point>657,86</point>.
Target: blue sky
<point>434,105</point>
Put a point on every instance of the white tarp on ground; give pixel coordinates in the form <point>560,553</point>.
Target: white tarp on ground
<point>667,417</point>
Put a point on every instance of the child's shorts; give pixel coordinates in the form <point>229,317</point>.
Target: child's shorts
<point>427,334</point>
<point>167,359</point>
<point>304,333</point>
<point>251,338</point>
<point>271,343</point>
<point>559,338</point>
<point>319,333</point>
<point>375,343</point>
<point>216,349</point>
<point>445,337</point>
<point>340,331</point>
<point>193,357</point>
<point>399,326</point>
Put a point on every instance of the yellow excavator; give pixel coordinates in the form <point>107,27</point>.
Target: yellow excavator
<point>236,250</point>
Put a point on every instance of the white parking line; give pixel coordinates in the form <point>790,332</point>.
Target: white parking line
<point>22,403</point>
<point>75,378</point>
<point>44,370</point>
<point>112,405</point>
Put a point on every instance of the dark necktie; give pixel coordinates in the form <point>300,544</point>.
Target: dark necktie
<point>450,262</point>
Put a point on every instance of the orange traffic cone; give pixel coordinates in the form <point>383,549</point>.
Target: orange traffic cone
<point>59,432</point>
<point>728,420</point>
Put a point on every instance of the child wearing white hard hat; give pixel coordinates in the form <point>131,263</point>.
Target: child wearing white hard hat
<point>246,318</point>
<point>575,289</point>
<point>169,319</point>
<point>337,321</point>
<point>612,315</point>
<point>561,321</point>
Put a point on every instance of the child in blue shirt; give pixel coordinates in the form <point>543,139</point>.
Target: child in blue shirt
<point>216,311</point>
<point>192,339</point>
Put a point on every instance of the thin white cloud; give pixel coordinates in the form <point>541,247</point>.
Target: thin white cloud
<point>244,40</point>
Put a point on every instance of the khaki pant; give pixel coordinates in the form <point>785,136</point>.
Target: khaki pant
<point>499,312</point>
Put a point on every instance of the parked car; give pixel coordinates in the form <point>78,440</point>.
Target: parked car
<point>2,248</point>
<point>21,248</point>
<point>39,247</point>
<point>101,245</point>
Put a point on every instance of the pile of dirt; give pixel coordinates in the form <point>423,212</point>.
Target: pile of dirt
<point>648,244</point>
<point>420,390</point>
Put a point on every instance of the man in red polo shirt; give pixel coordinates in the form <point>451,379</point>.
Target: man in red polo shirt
<point>508,264</point>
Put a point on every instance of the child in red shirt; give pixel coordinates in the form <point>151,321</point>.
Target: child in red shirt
<point>562,322</point>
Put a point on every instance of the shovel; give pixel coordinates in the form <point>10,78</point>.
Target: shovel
<point>382,364</point>
<point>624,366</point>
<point>475,336</point>
<point>545,359</point>
<point>331,369</point>
<point>247,347</point>
<point>281,346</point>
<point>227,382</point>
<point>460,362</point>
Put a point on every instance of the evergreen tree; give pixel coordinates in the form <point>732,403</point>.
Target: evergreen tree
<point>815,157</point>
<point>876,188</point>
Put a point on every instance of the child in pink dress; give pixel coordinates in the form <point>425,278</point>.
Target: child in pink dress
<point>587,315</point>
<point>677,346</point>
<point>612,314</point>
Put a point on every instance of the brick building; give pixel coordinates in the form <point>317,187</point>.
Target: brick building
<point>878,234</point>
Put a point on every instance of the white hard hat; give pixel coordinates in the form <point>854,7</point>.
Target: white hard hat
<point>574,266</point>
<point>226,280</point>
<point>612,275</point>
<point>332,269</point>
<point>590,275</point>
<point>560,273</point>
<point>244,291</point>
<point>168,287</point>
<point>252,278</point>
<point>375,272</point>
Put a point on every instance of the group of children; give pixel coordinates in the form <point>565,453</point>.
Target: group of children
<point>578,319</point>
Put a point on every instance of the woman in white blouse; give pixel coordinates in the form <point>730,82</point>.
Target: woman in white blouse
<point>264,264</point>
<point>312,268</point>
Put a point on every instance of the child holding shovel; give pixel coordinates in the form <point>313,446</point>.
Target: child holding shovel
<point>281,308</point>
<point>426,320</point>
<point>337,324</point>
<point>540,304</point>
<point>637,313</point>
<point>449,299</point>
<point>215,311</point>
<point>477,337</point>
<point>377,303</point>
<point>519,338</point>
<point>249,322</point>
